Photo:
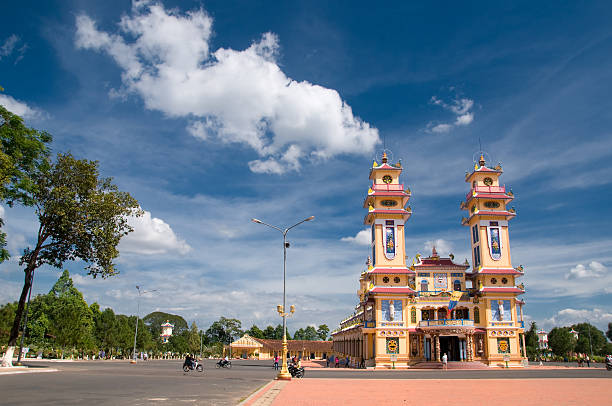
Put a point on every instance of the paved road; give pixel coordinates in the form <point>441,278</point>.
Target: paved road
<point>164,383</point>
<point>120,383</point>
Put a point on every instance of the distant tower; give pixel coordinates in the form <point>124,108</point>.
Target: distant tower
<point>542,340</point>
<point>166,331</point>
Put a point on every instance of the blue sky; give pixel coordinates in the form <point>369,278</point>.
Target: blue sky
<point>211,113</point>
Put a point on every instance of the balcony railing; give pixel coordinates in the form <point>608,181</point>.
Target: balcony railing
<point>384,187</point>
<point>508,323</point>
<point>486,189</point>
<point>522,323</point>
<point>446,322</point>
<point>391,324</point>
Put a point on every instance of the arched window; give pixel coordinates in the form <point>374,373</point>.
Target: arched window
<point>413,315</point>
<point>457,285</point>
<point>476,315</point>
<point>424,286</point>
<point>424,314</point>
<point>441,314</point>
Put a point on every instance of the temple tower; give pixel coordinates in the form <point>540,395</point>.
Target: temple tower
<point>492,273</point>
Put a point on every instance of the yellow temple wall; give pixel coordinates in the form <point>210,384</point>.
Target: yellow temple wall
<point>399,259</point>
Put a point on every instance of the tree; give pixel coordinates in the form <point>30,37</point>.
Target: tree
<point>269,333</point>
<point>193,339</point>
<point>531,340</point>
<point>560,341</point>
<point>589,337</point>
<point>24,151</point>
<point>609,332</point>
<point>7,316</point>
<point>323,332</point>
<point>298,335</point>
<point>255,331</point>
<point>70,316</point>
<point>223,331</point>
<point>81,216</point>
<point>278,332</point>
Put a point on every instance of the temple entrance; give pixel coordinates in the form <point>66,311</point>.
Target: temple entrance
<point>450,346</point>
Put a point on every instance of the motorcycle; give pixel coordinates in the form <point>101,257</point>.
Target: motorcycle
<point>224,364</point>
<point>295,371</point>
<point>191,366</point>
<point>609,363</point>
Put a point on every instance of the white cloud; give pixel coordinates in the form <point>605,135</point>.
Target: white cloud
<point>461,107</point>
<point>364,237</point>
<point>240,96</point>
<point>9,45</point>
<point>443,247</point>
<point>569,316</point>
<point>594,270</point>
<point>440,128</point>
<point>152,236</point>
<point>18,107</point>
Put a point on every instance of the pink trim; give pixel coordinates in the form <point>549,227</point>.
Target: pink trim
<point>502,290</point>
<point>391,271</point>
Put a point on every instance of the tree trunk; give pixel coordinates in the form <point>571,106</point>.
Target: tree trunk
<point>7,361</point>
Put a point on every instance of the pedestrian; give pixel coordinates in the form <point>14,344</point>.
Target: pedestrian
<point>588,360</point>
<point>327,362</point>
<point>445,361</point>
<point>337,362</point>
<point>348,361</point>
<point>276,362</point>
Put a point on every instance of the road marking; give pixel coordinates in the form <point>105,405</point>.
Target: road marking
<point>28,371</point>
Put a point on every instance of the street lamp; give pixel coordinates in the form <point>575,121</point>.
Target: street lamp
<point>134,357</point>
<point>284,372</point>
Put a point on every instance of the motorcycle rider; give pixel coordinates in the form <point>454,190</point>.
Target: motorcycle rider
<point>225,361</point>
<point>190,361</point>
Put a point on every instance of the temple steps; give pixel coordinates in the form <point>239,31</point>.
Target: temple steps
<point>451,365</point>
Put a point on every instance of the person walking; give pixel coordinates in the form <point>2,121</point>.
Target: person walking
<point>445,362</point>
<point>588,360</point>
<point>276,362</point>
<point>327,362</point>
<point>348,362</point>
<point>337,362</point>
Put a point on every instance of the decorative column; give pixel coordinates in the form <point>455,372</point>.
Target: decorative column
<point>524,348</point>
<point>437,347</point>
<point>470,345</point>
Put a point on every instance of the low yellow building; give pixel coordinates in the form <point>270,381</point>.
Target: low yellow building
<point>414,313</point>
<point>259,348</point>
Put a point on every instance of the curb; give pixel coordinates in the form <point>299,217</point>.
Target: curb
<point>266,395</point>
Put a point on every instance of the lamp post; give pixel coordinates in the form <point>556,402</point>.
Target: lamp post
<point>284,372</point>
<point>134,357</point>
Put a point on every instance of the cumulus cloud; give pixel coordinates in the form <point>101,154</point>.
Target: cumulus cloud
<point>569,316</point>
<point>18,107</point>
<point>364,237</point>
<point>443,247</point>
<point>152,236</point>
<point>239,96</point>
<point>461,107</point>
<point>593,270</point>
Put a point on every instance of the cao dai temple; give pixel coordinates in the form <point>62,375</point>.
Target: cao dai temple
<point>412,313</point>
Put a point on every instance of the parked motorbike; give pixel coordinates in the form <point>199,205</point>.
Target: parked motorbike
<point>224,364</point>
<point>295,371</point>
<point>191,366</point>
<point>609,363</point>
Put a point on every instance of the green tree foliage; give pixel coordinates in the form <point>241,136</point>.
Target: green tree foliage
<point>609,332</point>
<point>589,335</point>
<point>224,331</point>
<point>269,333</point>
<point>531,340</point>
<point>23,152</point>
<point>71,317</point>
<point>7,316</point>
<point>154,320</point>
<point>323,332</point>
<point>255,331</point>
<point>561,341</point>
<point>81,216</point>
<point>278,332</point>
<point>193,339</point>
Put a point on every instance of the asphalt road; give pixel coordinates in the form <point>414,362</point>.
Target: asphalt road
<point>164,382</point>
<point>121,383</point>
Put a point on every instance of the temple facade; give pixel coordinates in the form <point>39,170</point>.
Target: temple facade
<point>413,311</point>
<point>248,347</point>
